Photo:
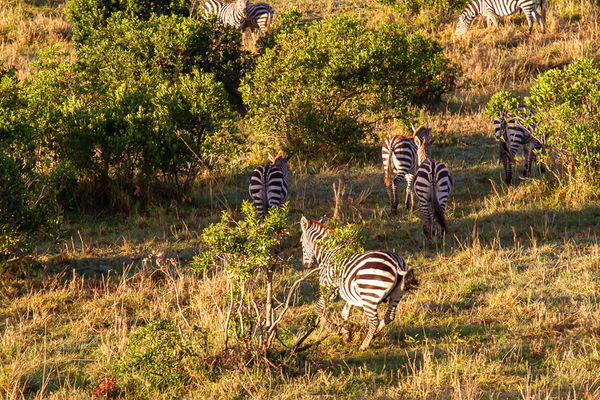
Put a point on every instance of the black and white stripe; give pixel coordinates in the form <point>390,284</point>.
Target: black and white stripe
<point>363,280</point>
<point>510,134</point>
<point>269,184</point>
<point>432,186</point>
<point>399,156</point>
<point>492,9</point>
<point>260,15</point>
<point>232,14</point>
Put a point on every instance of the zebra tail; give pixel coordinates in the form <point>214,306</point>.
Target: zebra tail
<point>438,213</point>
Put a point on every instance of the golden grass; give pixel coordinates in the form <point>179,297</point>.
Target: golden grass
<point>508,304</point>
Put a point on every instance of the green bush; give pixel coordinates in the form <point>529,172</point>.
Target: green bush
<point>441,8</point>
<point>134,110</point>
<point>157,357</point>
<point>565,105</point>
<point>86,16</point>
<point>320,88</point>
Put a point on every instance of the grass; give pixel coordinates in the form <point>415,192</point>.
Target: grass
<point>508,305</point>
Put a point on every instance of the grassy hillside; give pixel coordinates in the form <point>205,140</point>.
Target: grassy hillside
<point>508,303</point>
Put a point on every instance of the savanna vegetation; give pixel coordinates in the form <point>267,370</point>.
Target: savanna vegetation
<point>132,267</point>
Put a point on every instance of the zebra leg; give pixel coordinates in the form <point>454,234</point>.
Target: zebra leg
<point>394,299</point>
<point>409,199</point>
<point>425,219</point>
<point>529,17</point>
<point>527,153</point>
<point>371,311</point>
<point>504,157</point>
<point>539,20</point>
<point>491,18</point>
<point>346,326</point>
<point>392,190</point>
<point>320,311</point>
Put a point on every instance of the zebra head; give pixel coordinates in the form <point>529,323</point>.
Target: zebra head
<point>409,281</point>
<point>461,26</point>
<point>282,162</point>
<point>242,7</point>
<point>424,143</point>
<point>311,230</point>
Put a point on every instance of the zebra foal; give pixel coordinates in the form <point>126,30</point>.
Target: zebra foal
<point>399,157</point>
<point>511,134</point>
<point>432,186</point>
<point>363,280</point>
<point>269,184</point>
<point>492,9</point>
<point>232,14</point>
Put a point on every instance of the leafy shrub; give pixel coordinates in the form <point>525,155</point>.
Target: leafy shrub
<point>156,356</point>
<point>320,88</point>
<point>165,47</point>
<point>247,250</point>
<point>565,106</point>
<point>86,16</point>
<point>133,110</point>
<point>441,8</point>
<point>27,207</point>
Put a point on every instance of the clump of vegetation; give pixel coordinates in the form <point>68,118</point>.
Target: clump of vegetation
<point>441,7</point>
<point>564,105</point>
<point>86,16</point>
<point>158,357</point>
<point>322,87</point>
<point>247,250</point>
<point>134,110</point>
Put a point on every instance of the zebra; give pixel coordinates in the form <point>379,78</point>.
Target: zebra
<point>232,14</point>
<point>510,134</point>
<point>492,9</point>
<point>260,15</point>
<point>432,186</point>
<point>399,156</point>
<point>269,184</point>
<point>363,279</point>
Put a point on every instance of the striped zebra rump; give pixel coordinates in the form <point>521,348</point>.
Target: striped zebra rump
<point>231,14</point>
<point>363,280</point>
<point>492,9</point>
<point>260,15</point>
<point>433,185</point>
<point>399,157</point>
<point>269,185</point>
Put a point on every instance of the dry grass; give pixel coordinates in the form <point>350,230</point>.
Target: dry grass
<point>508,304</point>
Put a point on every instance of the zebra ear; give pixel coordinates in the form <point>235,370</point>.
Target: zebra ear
<point>288,157</point>
<point>271,158</point>
<point>432,140</point>
<point>304,223</point>
<point>417,141</point>
<point>412,127</point>
<point>322,220</point>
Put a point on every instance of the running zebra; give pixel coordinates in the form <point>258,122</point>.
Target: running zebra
<point>510,134</point>
<point>260,15</point>
<point>232,14</point>
<point>269,184</point>
<point>432,186</point>
<point>363,280</point>
<point>399,156</point>
<point>492,9</point>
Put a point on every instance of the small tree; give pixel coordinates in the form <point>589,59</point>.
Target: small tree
<point>247,251</point>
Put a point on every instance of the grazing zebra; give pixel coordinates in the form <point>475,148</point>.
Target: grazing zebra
<point>432,186</point>
<point>260,15</point>
<point>492,9</point>
<point>510,134</point>
<point>399,156</point>
<point>363,280</point>
<point>269,184</point>
<point>232,14</point>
